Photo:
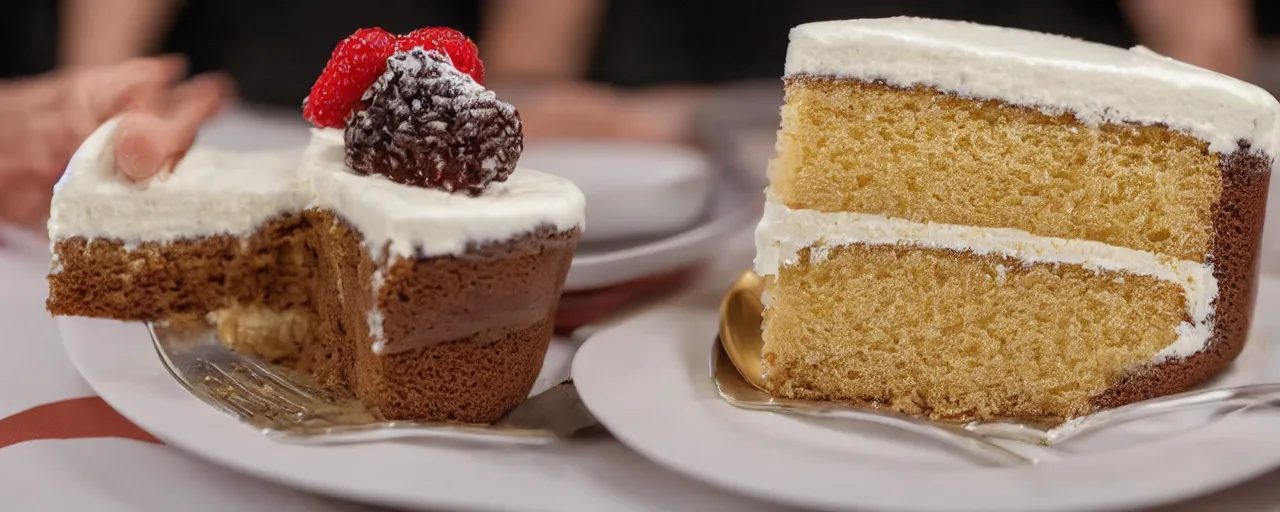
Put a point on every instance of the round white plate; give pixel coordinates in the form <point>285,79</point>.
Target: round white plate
<point>633,189</point>
<point>603,264</point>
<point>647,380</point>
<point>118,361</point>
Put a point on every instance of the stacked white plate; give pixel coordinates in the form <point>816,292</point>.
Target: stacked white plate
<point>650,208</point>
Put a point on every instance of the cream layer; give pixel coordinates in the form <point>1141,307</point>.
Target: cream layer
<point>1055,74</point>
<point>783,232</point>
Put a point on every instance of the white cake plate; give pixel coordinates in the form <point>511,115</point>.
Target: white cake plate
<point>118,361</point>
<point>603,264</point>
<point>647,380</point>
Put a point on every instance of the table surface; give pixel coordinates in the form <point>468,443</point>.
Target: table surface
<point>51,461</point>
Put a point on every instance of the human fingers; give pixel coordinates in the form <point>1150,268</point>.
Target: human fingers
<point>138,83</point>
<point>24,201</point>
<point>149,142</point>
<point>661,115</point>
<point>200,98</point>
<point>569,110</point>
<point>35,143</point>
<point>53,144</point>
<point>99,93</point>
<point>139,150</point>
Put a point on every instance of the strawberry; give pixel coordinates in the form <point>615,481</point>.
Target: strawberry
<point>356,63</point>
<point>455,44</point>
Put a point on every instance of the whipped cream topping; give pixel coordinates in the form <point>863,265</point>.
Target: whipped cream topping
<point>214,192</point>
<point>374,316</point>
<point>428,222</point>
<point>783,232</point>
<point>209,192</point>
<point>1097,83</point>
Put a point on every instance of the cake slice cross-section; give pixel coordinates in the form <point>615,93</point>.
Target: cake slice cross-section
<point>402,255</point>
<point>969,222</point>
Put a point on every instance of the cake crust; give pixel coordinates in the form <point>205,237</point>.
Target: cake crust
<point>1237,227</point>
<point>427,367</point>
<point>190,277</point>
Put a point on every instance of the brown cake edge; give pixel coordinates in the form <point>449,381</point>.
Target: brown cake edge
<point>1237,227</point>
<point>472,378</point>
<point>108,278</point>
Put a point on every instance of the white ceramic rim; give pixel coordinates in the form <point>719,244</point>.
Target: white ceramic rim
<point>731,211</point>
<point>120,364</point>
<point>678,422</point>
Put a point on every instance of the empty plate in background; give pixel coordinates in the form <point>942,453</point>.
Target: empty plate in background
<point>651,208</point>
<point>634,190</point>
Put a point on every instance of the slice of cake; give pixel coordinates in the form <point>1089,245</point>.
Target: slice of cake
<point>969,223</point>
<point>401,255</point>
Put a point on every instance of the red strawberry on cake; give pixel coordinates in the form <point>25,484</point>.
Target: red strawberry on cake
<point>356,62</point>
<point>461,51</point>
<point>403,256</point>
<point>361,58</point>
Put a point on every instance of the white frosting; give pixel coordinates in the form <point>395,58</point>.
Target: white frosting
<point>209,192</point>
<point>429,222</point>
<point>216,192</point>
<point>783,232</point>
<point>374,316</point>
<point>1098,83</point>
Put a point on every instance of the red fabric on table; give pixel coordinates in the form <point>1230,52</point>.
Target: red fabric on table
<point>76,418</point>
<point>578,309</point>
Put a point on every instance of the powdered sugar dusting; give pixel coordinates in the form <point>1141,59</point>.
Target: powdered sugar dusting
<point>374,317</point>
<point>425,123</point>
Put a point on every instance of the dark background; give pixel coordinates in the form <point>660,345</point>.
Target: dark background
<point>274,49</point>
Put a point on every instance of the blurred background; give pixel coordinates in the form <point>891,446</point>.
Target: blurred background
<point>701,73</point>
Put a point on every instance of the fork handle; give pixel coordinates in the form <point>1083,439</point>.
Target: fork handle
<point>1248,395</point>
<point>975,445</point>
<point>1257,394</point>
<point>349,434</point>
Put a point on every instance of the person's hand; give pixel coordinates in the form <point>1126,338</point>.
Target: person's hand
<point>47,118</point>
<point>565,109</point>
<point>152,139</point>
<point>593,111</point>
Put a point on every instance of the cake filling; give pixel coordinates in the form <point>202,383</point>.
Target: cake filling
<point>784,234</point>
<point>954,334</point>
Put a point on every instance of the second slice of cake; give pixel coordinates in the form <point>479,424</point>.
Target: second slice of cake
<point>969,222</point>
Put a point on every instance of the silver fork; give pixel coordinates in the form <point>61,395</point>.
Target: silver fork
<point>290,406</point>
<point>736,391</point>
<point>975,438</point>
<point>1243,397</point>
